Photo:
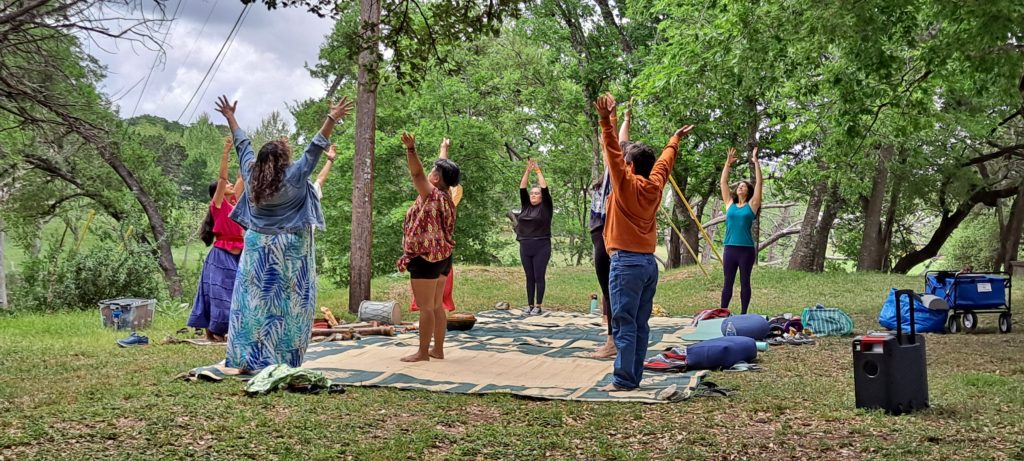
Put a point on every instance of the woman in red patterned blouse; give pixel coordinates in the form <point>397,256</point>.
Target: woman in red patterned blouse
<point>427,246</point>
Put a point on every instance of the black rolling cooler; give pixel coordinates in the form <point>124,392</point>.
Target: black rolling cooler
<point>890,371</point>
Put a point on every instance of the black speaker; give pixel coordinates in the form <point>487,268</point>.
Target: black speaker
<point>890,371</point>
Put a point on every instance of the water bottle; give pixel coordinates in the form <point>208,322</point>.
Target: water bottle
<point>593,305</point>
<point>730,329</point>
<point>116,318</point>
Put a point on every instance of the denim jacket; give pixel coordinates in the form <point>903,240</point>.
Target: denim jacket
<point>295,207</point>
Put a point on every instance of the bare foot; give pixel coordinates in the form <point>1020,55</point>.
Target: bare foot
<point>613,388</point>
<point>417,357</point>
<point>605,352</point>
<point>437,355</point>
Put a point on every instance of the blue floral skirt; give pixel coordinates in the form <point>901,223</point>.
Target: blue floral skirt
<point>274,301</point>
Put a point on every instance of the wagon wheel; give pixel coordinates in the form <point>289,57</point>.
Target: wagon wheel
<point>970,321</point>
<point>1005,324</point>
<point>953,324</point>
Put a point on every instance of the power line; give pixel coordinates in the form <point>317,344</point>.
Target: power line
<point>201,30</point>
<point>210,83</point>
<point>174,16</point>
<point>212,64</point>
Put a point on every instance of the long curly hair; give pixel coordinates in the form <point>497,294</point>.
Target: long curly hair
<point>206,228</point>
<point>268,171</point>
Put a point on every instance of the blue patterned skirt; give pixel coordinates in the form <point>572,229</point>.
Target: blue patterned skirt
<point>274,301</point>
<point>212,305</point>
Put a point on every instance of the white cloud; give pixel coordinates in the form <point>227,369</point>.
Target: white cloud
<point>263,69</point>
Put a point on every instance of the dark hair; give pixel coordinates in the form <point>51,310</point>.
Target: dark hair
<point>268,171</point>
<point>449,172</point>
<point>641,156</point>
<point>206,228</point>
<point>750,191</point>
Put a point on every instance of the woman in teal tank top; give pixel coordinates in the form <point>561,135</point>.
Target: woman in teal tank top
<point>742,205</point>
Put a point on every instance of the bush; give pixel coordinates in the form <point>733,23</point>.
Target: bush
<point>58,280</point>
<point>974,243</point>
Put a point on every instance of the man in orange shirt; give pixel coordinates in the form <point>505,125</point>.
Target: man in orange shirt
<point>631,235</point>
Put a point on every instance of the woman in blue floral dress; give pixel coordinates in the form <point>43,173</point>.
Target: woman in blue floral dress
<point>274,298</point>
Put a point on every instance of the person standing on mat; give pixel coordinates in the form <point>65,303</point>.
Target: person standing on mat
<point>631,236</point>
<point>456,193</point>
<point>212,304</point>
<point>427,246</point>
<point>274,296</point>
<point>602,263</point>
<point>742,206</point>
<point>534,235</point>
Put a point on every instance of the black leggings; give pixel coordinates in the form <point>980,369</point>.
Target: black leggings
<point>535,254</point>
<point>603,265</point>
<point>742,258</point>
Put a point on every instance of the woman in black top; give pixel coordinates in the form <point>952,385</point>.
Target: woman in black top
<point>534,234</point>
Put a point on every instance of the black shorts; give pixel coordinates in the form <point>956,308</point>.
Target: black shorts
<point>421,269</point>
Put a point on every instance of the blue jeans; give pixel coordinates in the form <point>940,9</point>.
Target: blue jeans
<point>632,283</point>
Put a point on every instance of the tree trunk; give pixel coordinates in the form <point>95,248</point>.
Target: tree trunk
<point>716,212</point>
<point>871,245</point>
<point>1011,235</point>
<point>691,232</point>
<point>609,19</point>
<point>165,259</point>
<point>3,268</point>
<point>577,39</point>
<point>948,224</point>
<point>824,227</point>
<point>107,151</point>
<point>890,224</point>
<point>804,253</point>
<point>360,269</point>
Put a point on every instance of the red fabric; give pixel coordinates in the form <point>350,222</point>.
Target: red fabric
<point>448,302</point>
<point>428,229</point>
<point>228,234</point>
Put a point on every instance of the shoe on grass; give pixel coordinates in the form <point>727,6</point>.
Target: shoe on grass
<point>133,340</point>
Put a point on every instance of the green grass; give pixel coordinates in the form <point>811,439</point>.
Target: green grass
<point>66,391</point>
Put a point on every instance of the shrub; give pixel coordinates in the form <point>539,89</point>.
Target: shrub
<point>974,243</point>
<point>66,279</point>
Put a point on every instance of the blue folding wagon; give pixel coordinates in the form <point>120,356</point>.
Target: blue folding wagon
<point>970,294</point>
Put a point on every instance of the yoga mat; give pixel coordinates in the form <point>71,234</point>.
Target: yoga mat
<point>706,329</point>
<point>544,356</point>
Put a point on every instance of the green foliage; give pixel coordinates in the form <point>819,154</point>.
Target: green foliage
<point>973,244</point>
<point>65,278</point>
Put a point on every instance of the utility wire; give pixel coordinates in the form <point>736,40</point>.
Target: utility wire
<point>212,64</point>
<point>174,16</point>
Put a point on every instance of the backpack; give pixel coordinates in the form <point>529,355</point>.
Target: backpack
<point>827,321</point>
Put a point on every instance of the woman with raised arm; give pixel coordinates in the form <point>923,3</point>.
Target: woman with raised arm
<point>742,206</point>
<point>427,246</point>
<point>449,285</point>
<point>212,305</point>
<point>534,234</point>
<point>598,213</point>
<point>318,185</point>
<point>275,290</point>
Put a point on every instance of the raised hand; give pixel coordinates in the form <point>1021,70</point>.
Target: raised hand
<point>684,131</point>
<point>409,140</point>
<point>227,144</point>
<point>445,143</point>
<point>605,105</point>
<point>732,156</point>
<point>342,108</point>
<point>753,155</point>
<point>225,108</point>
<point>331,153</point>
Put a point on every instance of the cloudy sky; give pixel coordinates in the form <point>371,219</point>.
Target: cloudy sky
<point>263,69</point>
